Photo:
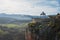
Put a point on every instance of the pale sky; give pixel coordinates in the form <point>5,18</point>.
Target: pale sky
<point>29,7</point>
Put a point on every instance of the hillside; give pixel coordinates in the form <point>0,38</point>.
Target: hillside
<point>6,20</point>
<point>17,19</point>
<point>16,16</point>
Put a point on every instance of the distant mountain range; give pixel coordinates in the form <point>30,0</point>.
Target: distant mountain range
<point>18,17</point>
<point>15,18</point>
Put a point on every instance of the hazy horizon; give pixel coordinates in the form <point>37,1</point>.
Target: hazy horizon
<point>29,7</point>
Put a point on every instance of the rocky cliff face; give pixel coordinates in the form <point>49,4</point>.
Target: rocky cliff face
<point>49,32</point>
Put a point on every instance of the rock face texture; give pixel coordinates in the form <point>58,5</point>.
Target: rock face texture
<point>38,31</point>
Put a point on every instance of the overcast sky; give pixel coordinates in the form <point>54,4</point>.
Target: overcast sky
<point>29,7</point>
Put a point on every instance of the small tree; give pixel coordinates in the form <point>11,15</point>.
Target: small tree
<point>43,13</point>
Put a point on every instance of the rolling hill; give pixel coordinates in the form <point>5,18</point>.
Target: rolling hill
<point>7,18</point>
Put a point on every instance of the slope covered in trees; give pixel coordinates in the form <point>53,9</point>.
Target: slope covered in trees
<point>49,32</point>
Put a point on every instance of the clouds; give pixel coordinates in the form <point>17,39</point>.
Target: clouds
<point>50,7</point>
<point>30,7</point>
<point>47,2</point>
